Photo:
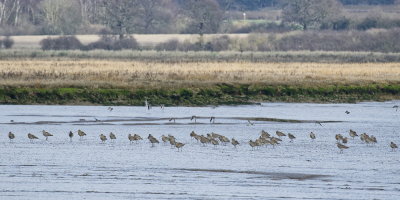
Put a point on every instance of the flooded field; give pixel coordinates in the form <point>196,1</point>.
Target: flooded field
<point>303,169</point>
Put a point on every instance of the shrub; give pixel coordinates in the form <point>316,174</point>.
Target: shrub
<point>170,45</point>
<point>8,42</point>
<point>113,43</point>
<point>61,43</point>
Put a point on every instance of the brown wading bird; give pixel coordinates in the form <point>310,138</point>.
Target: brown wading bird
<point>81,134</point>
<point>393,146</point>
<point>32,137</point>
<point>204,140</point>
<point>46,134</point>
<point>152,140</point>
<point>280,134</point>
<point>234,142</point>
<point>103,138</point>
<point>71,135</point>
<point>214,142</point>
<point>11,136</point>
<point>338,137</point>
<point>193,134</point>
<point>341,147</point>
<point>352,133</point>
<point>344,140</point>
<point>164,138</point>
<point>312,135</point>
<point>179,145</point>
<point>112,136</point>
<point>291,137</point>
<point>252,144</point>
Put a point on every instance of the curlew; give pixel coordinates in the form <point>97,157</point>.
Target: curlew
<point>152,140</point>
<point>81,134</point>
<point>103,138</point>
<point>112,136</point>
<point>11,136</point>
<point>291,137</point>
<point>71,135</point>
<point>393,146</point>
<point>280,134</point>
<point>352,133</point>
<point>214,142</point>
<point>265,134</point>
<point>137,137</point>
<point>32,137</point>
<point>223,139</point>
<point>204,140</point>
<point>164,138</point>
<point>341,147</point>
<point>312,136</point>
<point>46,134</point>
<point>252,144</point>
<point>179,145</point>
<point>193,134</point>
<point>234,142</point>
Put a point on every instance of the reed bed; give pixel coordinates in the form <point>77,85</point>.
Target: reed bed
<point>138,74</point>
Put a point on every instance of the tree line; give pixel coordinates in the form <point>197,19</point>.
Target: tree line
<point>121,17</point>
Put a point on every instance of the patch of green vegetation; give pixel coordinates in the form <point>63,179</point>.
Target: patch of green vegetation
<point>221,94</point>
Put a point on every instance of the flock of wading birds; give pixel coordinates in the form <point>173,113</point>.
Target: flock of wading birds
<point>215,139</point>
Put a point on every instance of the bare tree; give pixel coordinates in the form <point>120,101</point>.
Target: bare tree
<point>61,16</point>
<point>203,16</point>
<point>309,13</point>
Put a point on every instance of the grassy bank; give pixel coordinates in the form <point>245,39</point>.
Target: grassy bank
<point>227,56</point>
<point>226,94</point>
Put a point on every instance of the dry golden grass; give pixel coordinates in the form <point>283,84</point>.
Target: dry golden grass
<point>102,73</point>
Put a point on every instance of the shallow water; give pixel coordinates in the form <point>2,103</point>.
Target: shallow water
<point>303,169</point>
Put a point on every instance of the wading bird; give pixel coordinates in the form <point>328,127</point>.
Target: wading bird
<point>341,147</point>
<point>112,136</point>
<point>71,135</point>
<point>11,136</point>
<point>312,135</point>
<point>46,134</point>
<point>234,142</point>
<point>32,137</point>
<point>291,137</point>
<point>280,134</point>
<point>103,138</point>
<point>352,133</point>
<point>393,146</point>
<point>396,106</point>
<point>179,145</point>
<point>152,140</point>
<point>81,134</point>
